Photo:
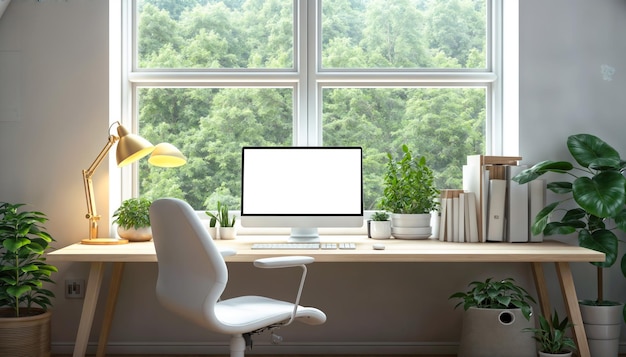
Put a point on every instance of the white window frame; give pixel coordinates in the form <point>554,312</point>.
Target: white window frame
<point>502,63</point>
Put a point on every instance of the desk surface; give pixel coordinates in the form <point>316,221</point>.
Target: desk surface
<point>396,251</point>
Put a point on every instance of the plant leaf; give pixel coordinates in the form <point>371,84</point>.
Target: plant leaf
<point>602,240</point>
<point>603,195</point>
<point>590,151</point>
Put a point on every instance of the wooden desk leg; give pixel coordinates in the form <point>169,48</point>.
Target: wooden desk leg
<point>542,291</point>
<point>114,288</point>
<point>571,303</point>
<point>89,308</point>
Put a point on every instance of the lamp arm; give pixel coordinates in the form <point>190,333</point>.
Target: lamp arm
<point>92,215</point>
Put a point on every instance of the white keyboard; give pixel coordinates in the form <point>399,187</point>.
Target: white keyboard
<point>327,246</point>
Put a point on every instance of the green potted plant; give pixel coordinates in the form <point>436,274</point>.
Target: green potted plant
<point>211,224</point>
<point>380,225</point>
<point>409,193</point>
<point>24,299</point>
<point>133,219</point>
<point>593,207</point>
<point>226,222</point>
<point>551,336</point>
<point>495,315</point>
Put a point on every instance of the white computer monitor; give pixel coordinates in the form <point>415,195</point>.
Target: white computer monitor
<point>303,188</point>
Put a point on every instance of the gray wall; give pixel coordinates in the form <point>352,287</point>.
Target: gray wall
<point>53,69</point>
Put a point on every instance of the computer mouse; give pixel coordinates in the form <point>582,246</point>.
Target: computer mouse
<point>378,246</point>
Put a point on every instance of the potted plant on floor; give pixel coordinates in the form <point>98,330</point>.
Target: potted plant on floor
<point>593,207</point>
<point>409,193</point>
<point>133,219</point>
<point>551,336</point>
<point>24,300</point>
<point>496,314</point>
<point>380,225</point>
<point>227,223</point>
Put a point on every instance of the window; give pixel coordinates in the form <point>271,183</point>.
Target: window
<point>211,76</point>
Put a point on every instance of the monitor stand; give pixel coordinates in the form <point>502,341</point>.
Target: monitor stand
<point>304,235</point>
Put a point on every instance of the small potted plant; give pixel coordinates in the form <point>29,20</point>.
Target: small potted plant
<point>380,225</point>
<point>410,194</point>
<point>227,223</point>
<point>496,313</point>
<point>211,225</point>
<point>551,336</point>
<point>133,219</point>
<point>24,299</point>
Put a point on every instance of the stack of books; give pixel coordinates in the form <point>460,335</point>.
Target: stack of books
<point>491,207</point>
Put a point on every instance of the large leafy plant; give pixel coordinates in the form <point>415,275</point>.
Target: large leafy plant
<point>409,185</point>
<point>490,294</point>
<point>594,203</point>
<point>23,267</point>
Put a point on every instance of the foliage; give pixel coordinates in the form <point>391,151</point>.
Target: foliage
<point>222,215</point>
<point>551,334</point>
<point>409,185</point>
<point>504,294</point>
<point>23,267</point>
<point>133,213</point>
<point>210,125</point>
<point>598,195</point>
<point>380,216</point>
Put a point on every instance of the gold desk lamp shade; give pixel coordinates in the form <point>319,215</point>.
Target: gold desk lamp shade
<point>167,155</point>
<point>130,148</point>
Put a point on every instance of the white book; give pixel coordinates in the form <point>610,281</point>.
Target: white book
<point>449,220</point>
<point>516,207</point>
<point>472,221</point>
<point>462,213</point>
<point>443,211</point>
<point>455,219</point>
<point>495,212</point>
<point>537,201</point>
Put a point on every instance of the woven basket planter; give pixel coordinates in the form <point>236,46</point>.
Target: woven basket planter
<point>27,336</point>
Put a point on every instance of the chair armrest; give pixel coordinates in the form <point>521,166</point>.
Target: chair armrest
<point>227,252</point>
<point>283,262</point>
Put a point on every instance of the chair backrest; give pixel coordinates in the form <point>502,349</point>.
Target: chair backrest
<point>192,272</point>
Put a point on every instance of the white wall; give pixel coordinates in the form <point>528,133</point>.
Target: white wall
<point>59,124</point>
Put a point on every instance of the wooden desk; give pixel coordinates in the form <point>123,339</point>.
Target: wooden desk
<point>396,251</point>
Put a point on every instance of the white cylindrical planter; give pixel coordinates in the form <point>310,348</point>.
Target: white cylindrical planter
<point>496,332</point>
<point>411,226</point>
<point>227,233</point>
<point>602,327</point>
<point>380,229</point>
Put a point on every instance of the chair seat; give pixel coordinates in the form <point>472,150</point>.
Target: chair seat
<point>248,313</point>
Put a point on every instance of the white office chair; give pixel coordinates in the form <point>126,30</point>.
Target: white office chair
<point>192,276</point>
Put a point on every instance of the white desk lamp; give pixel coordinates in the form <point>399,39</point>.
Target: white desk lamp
<point>130,148</point>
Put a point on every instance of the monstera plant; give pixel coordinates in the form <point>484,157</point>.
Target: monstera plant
<point>593,203</point>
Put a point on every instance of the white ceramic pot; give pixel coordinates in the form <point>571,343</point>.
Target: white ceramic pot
<point>411,226</point>
<point>227,233</point>
<point>496,332</point>
<point>142,234</point>
<point>212,230</point>
<point>546,354</point>
<point>602,327</point>
<point>380,229</point>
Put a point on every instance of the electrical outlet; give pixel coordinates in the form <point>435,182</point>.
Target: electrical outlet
<point>74,289</point>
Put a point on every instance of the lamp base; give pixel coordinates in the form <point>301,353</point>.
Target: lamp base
<point>104,241</point>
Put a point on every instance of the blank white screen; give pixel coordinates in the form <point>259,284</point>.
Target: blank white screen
<point>302,181</point>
